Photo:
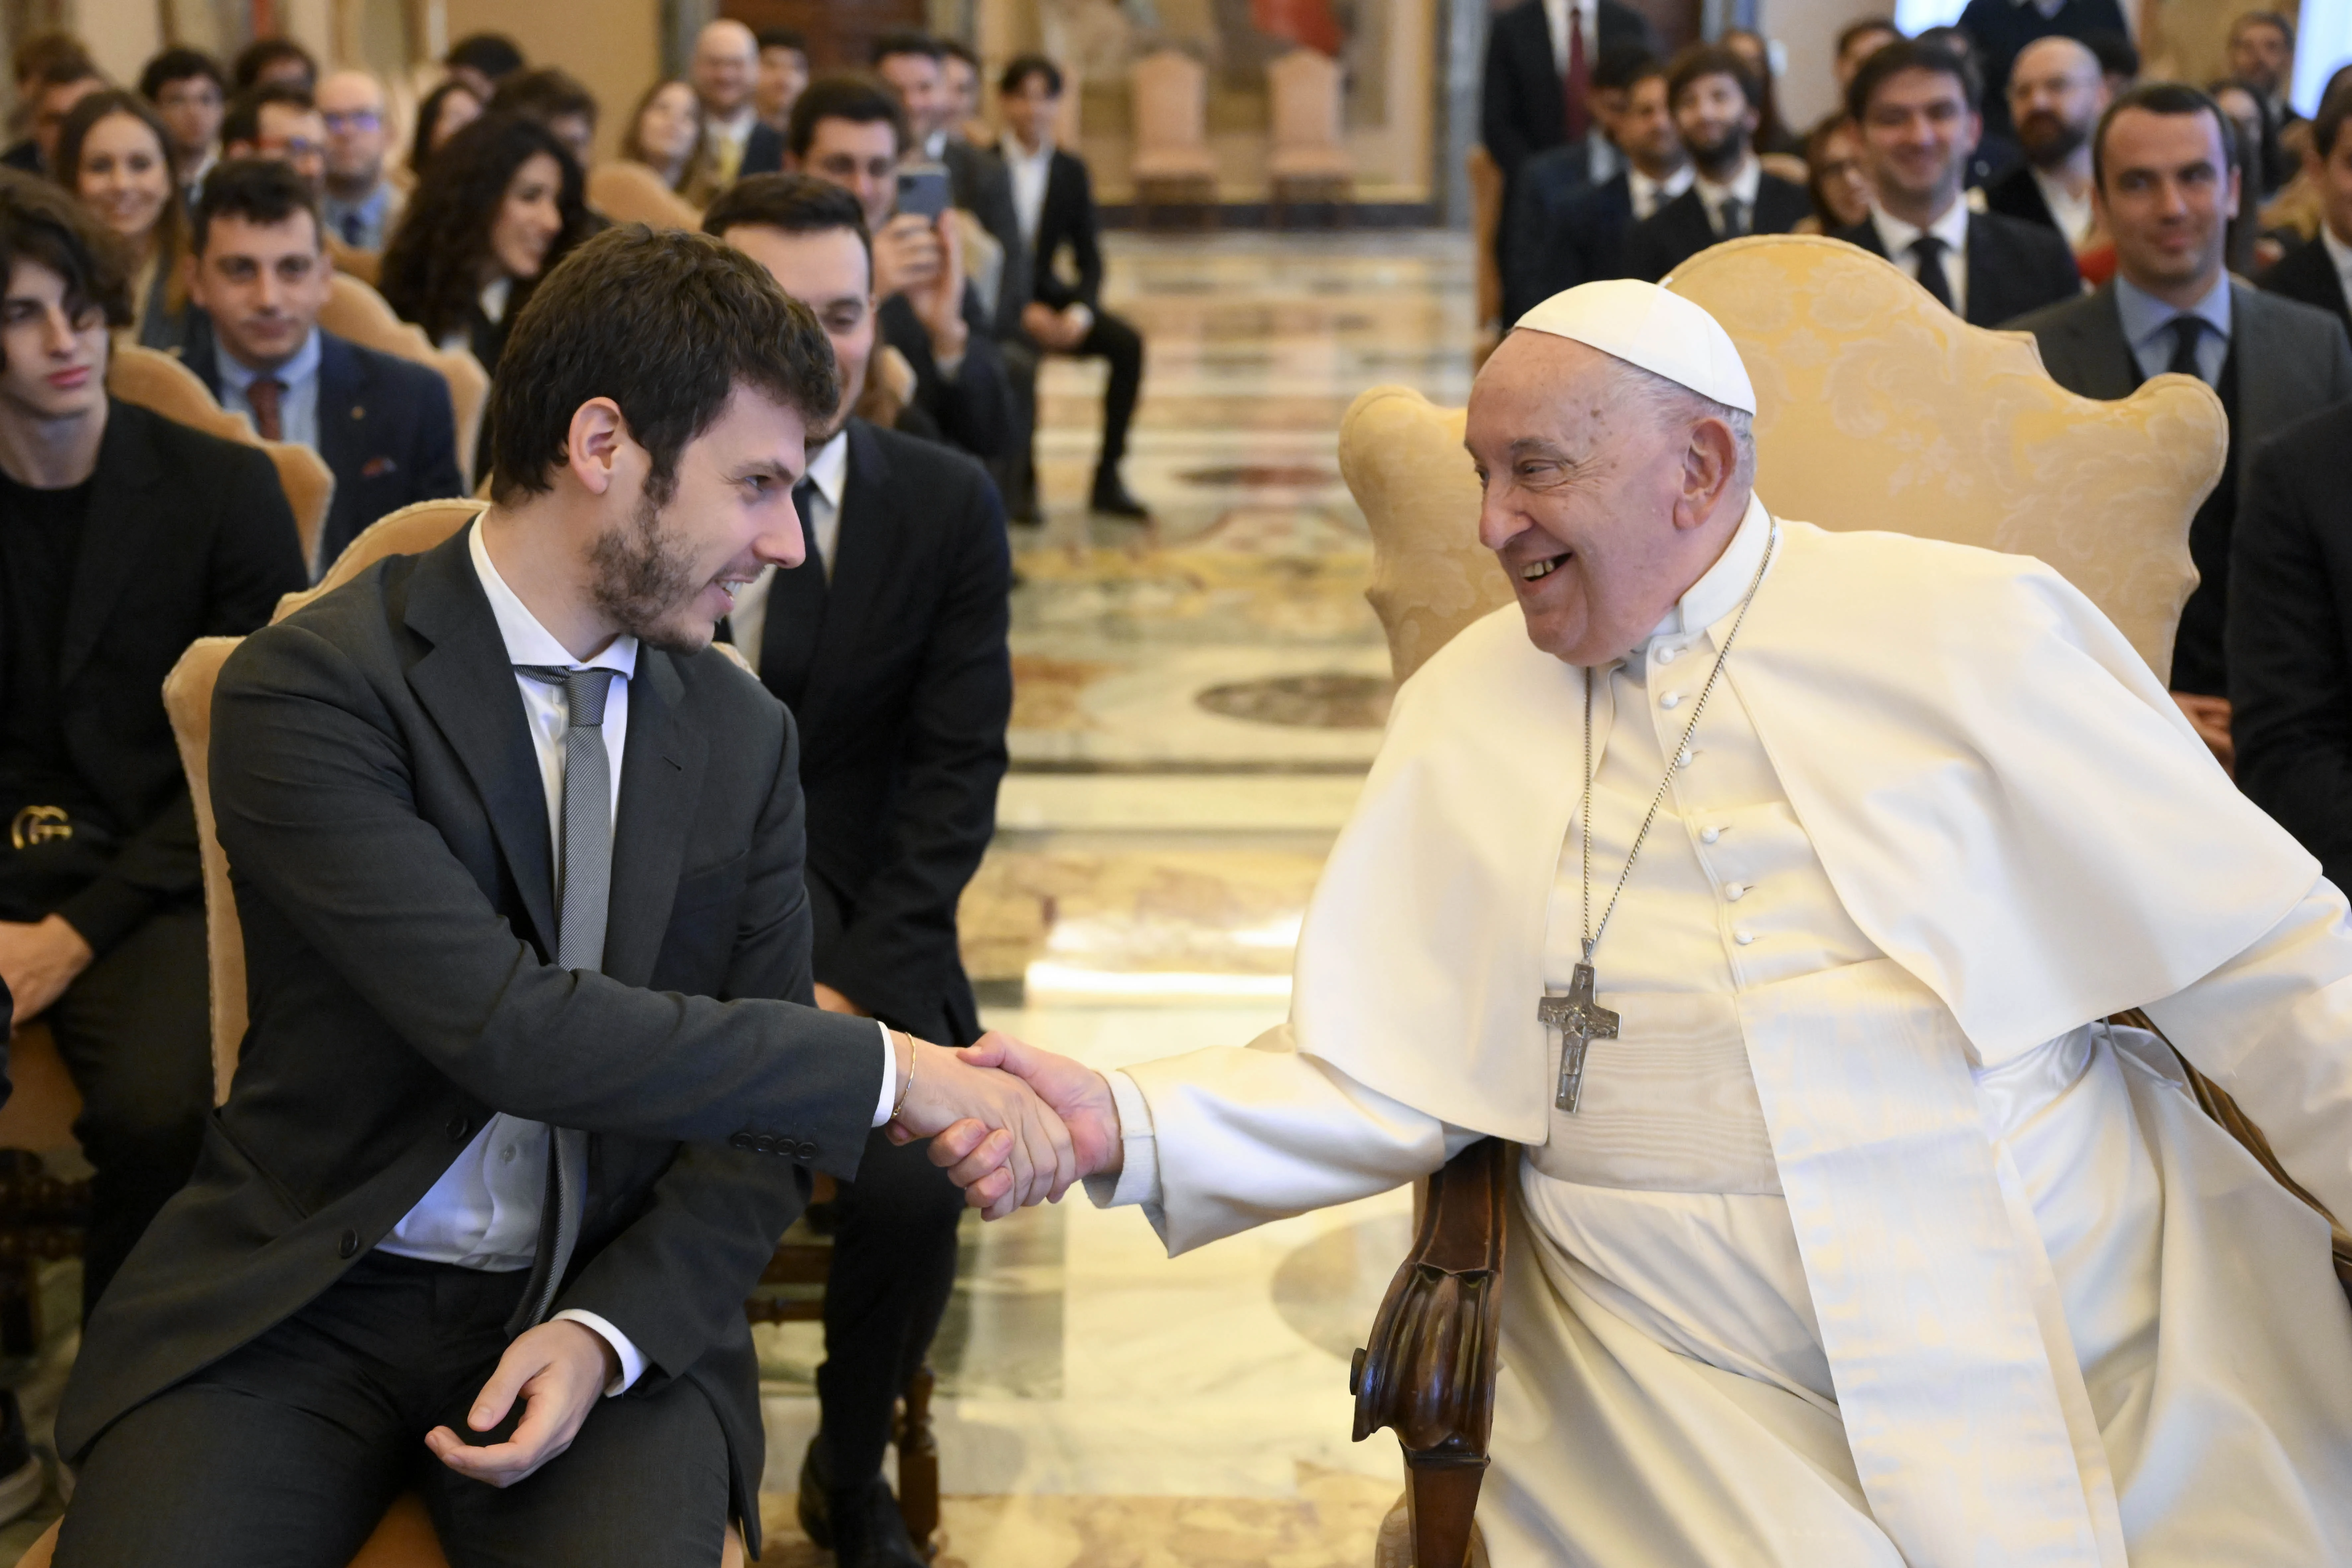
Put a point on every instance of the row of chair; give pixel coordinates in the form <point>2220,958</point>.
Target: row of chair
<point>1174,166</point>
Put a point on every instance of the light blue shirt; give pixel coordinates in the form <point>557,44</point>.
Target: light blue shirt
<point>2148,328</point>
<point>362,224</point>
<point>297,405</point>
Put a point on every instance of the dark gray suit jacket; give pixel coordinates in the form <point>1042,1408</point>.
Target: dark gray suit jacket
<point>379,799</point>
<point>2292,360</point>
<point>982,186</point>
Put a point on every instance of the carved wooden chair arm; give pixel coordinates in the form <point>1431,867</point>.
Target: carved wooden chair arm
<point>1429,1369</point>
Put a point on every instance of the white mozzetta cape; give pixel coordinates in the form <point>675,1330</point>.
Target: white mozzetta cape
<point>1997,785</point>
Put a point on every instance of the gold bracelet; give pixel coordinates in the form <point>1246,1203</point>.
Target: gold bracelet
<point>907,1082</point>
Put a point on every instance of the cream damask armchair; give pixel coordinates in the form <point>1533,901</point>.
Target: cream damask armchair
<point>1877,408</point>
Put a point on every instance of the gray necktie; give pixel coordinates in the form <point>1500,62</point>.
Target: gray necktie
<point>1734,214</point>
<point>583,891</point>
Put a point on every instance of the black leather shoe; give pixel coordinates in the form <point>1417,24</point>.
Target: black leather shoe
<point>1111,498</point>
<point>867,1530</point>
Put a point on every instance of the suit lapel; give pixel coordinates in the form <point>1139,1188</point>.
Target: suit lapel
<point>661,779</point>
<point>864,551</point>
<point>1986,274</point>
<point>467,686</point>
<point>126,503</point>
<point>341,415</point>
<point>2111,368</point>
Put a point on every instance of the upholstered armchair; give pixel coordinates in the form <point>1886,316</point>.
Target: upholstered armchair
<point>1876,409</point>
<point>1172,165</point>
<point>629,192</point>
<point>1308,161</point>
<point>356,311</point>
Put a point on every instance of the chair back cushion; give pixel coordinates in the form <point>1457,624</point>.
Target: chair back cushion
<point>355,311</point>
<point>154,380</point>
<point>629,192</point>
<point>1876,409</point>
<point>1169,92</point>
<point>412,531</point>
<point>188,701</point>
<point>1305,86</point>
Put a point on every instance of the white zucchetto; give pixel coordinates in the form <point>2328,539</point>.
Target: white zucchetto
<point>1645,325</point>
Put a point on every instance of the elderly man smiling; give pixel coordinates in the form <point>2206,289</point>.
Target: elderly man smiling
<point>1769,887</point>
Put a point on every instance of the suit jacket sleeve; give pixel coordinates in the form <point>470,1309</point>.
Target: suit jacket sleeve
<point>314,795</point>
<point>434,464</point>
<point>674,1280</point>
<point>257,557</point>
<point>904,928</point>
<point>1502,118</point>
<point>2289,686</point>
<point>975,410</point>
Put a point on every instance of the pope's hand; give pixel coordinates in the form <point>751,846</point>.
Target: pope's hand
<point>984,1110</point>
<point>1078,1094</point>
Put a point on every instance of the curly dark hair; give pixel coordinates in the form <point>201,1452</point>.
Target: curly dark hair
<point>40,224</point>
<point>432,270</point>
<point>666,324</point>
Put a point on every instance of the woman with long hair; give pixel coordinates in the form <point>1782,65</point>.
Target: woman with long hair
<point>114,152</point>
<point>446,110</point>
<point>664,133</point>
<point>492,211</point>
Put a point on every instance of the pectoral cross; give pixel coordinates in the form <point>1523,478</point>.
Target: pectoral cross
<point>1580,1020</point>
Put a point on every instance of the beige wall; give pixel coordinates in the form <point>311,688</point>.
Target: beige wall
<point>1808,28</point>
<point>614,46</point>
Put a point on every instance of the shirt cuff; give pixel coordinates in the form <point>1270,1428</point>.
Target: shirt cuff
<point>889,1077</point>
<point>633,1361</point>
<point>1137,1181</point>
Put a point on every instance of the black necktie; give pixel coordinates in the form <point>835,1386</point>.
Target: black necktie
<point>1733,213</point>
<point>353,229</point>
<point>795,611</point>
<point>2188,332</point>
<point>1932,277</point>
<point>805,498</point>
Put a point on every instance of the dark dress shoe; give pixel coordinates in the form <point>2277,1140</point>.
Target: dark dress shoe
<point>860,1525</point>
<point>1111,498</point>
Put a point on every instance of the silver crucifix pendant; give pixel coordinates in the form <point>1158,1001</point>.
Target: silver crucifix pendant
<point>1580,1020</point>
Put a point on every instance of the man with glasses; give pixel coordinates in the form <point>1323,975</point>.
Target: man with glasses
<point>281,122</point>
<point>358,205</point>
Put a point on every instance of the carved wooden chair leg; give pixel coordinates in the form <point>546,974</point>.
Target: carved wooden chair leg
<point>1442,1504</point>
<point>918,1462</point>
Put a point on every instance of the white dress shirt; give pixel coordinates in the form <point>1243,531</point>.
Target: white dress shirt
<point>2070,212</point>
<point>1742,186</point>
<point>1030,173</point>
<point>747,623</point>
<point>1649,194</point>
<point>1952,228</point>
<point>2341,255</point>
<point>297,403</point>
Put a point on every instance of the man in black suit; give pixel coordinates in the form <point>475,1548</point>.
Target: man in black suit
<point>851,134</point>
<point>2290,636</point>
<point>1912,100</point>
<point>2166,193</point>
<point>1056,200</point>
<point>1716,103</point>
<point>1537,92</point>
<point>529,1086</point>
<point>888,643</point>
<point>2318,272</point>
<point>123,537</point>
<point>260,275</point>
<point>1569,224</point>
<point>2056,94</point>
<point>2002,28</point>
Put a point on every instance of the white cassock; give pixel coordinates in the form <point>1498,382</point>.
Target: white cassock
<point>1870,1244</point>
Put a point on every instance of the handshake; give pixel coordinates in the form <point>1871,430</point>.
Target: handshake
<point>1011,1125</point>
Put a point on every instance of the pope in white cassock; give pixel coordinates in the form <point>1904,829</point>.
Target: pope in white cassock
<point>1861,1239</point>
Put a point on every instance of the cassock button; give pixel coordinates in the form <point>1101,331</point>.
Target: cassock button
<point>1671,700</point>
<point>1735,891</point>
<point>1709,835</point>
<point>1743,937</point>
<point>1668,654</point>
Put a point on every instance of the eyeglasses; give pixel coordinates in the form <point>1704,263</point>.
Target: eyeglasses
<point>292,147</point>
<point>357,120</point>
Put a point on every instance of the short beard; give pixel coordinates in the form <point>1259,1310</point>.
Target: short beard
<point>2056,147</point>
<point>644,576</point>
<point>1722,158</point>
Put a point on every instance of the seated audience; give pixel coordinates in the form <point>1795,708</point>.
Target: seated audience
<point>2261,56</point>
<point>496,209</point>
<point>2056,94</point>
<point>557,100</point>
<point>664,133</point>
<point>115,154</point>
<point>1549,181</point>
<point>360,207</point>
<point>445,111</point>
<point>479,61</point>
<point>64,77</point>
<point>2319,271</point>
<point>1582,238</point>
<point>1834,178</point>
<point>850,133</point>
<point>282,121</point>
<point>190,91</point>
<point>1772,133</point>
<point>1054,200</point>
<point>273,62</point>
<point>902,708</point>
<point>1714,101</point>
<point>1856,42</point>
<point>132,535</point>
<point>959,74</point>
<point>2002,28</point>
<point>1912,100</point>
<point>29,63</point>
<point>1995,152</point>
<point>384,424</point>
<point>499,1146</point>
<point>725,70</point>
<point>784,75</point>
<point>2161,177</point>
<point>910,65</point>
<point>1536,89</point>
<point>2291,636</point>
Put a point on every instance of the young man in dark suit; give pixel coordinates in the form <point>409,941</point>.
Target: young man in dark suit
<point>1913,102</point>
<point>1054,198</point>
<point>531,1085</point>
<point>888,641</point>
<point>2166,192</point>
<point>2001,28</point>
<point>1538,88</point>
<point>2319,271</point>
<point>1562,240</point>
<point>260,274</point>
<point>1716,102</point>
<point>124,538</point>
<point>851,134</point>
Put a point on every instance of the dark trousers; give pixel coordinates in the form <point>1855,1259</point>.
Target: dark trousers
<point>285,1453</point>
<point>135,1032</point>
<point>894,1261</point>
<point>1113,340</point>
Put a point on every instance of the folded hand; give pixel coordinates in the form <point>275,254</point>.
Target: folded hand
<point>987,1111</point>
<point>1078,1096</point>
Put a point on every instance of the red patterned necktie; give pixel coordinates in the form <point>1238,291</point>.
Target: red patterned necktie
<point>1576,86</point>
<point>261,395</point>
